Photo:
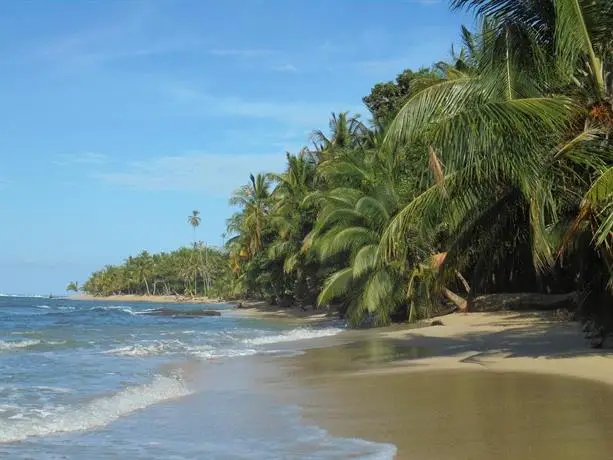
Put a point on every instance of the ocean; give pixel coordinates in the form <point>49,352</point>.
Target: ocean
<point>99,380</point>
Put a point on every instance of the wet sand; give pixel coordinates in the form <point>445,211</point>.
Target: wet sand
<point>482,386</point>
<point>263,310</point>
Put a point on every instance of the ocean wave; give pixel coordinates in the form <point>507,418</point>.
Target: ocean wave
<point>157,347</point>
<point>38,345</point>
<point>95,414</point>
<point>161,347</point>
<point>20,296</point>
<point>301,333</point>
<point>205,352</point>
<point>116,308</point>
<point>7,346</point>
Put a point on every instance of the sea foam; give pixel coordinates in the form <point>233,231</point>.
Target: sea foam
<point>94,414</point>
<point>301,333</point>
<point>7,346</point>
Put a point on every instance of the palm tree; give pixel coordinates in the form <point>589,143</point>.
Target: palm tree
<point>194,220</point>
<point>349,229</point>
<point>346,132</point>
<point>73,286</point>
<point>502,138</point>
<point>292,219</point>
<point>352,218</point>
<point>254,200</point>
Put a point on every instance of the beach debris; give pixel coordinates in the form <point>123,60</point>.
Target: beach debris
<point>436,322</point>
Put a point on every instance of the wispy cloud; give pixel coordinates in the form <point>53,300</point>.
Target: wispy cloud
<point>308,113</point>
<point>383,67</point>
<point>125,35</point>
<point>241,53</point>
<point>285,68</point>
<point>4,184</point>
<point>209,173</point>
<point>84,158</point>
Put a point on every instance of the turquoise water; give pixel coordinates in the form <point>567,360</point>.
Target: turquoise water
<point>99,380</point>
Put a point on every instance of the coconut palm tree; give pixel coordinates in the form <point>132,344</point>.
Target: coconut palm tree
<point>292,219</point>
<point>254,200</point>
<point>346,132</point>
<point>510,143</point>
<point>73,286</point>
<point>194,220</point>
<point>348,233</point>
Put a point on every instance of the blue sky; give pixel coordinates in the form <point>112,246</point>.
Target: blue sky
<point>120,117</point>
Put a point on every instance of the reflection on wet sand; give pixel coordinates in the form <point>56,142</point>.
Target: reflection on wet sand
<point>355,356</point>
<point>477,415</point>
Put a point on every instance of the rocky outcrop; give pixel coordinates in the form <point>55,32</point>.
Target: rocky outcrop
<point>175,313</point>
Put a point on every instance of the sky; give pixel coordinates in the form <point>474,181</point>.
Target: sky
<point>120,117</point>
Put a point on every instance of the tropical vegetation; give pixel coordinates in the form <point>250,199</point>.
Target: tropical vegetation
<point>489,172</point>
<point>189,271</point>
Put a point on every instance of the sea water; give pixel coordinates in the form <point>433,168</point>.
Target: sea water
<point>99,380</point>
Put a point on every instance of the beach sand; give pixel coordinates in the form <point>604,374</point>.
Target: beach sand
<point>263,310</point>
<point>481,386</point>
<point>149,298</point>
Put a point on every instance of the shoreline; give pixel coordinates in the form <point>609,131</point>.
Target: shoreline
<point>255,309</point>
<point>355,384</point>
<point>150,299</point>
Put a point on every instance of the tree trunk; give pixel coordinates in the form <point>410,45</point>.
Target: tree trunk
<point>464,282</point>
<point>146,285</point>
<point>457,300</point>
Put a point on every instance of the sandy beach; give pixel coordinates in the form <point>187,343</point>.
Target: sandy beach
<point>481,386</point>
<point>149,298</point>
<point>248,308</point>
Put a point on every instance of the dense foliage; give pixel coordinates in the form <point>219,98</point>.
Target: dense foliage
<point>187,272</point>
<point>487,173</point>
<point>491,172</point>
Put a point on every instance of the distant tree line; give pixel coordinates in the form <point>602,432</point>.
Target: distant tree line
<point>193,271</point>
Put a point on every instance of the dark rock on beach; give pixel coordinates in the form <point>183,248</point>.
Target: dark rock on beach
<point>183,313</point>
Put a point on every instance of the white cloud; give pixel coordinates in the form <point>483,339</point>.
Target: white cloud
<point>285,68</point>
<point>241,53</point>
<point>390,66</point>
<point>126,34</point>
<point>209,173</point>
<point>84,158</point>
<point>310,114</point>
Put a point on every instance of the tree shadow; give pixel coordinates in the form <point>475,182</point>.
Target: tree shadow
<point>542,339</point>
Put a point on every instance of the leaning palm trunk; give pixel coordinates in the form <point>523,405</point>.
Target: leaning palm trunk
<point>460,302</point>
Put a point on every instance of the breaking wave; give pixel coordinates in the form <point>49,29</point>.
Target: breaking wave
<point>94,414</point>
<point>7,346</point>
<point>300,333</point>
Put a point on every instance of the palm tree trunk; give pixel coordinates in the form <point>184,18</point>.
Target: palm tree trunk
<point>464,282</point>
<point>461,303</point>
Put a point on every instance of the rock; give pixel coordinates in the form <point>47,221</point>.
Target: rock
<point>436,322</point>
<point>183,313</point>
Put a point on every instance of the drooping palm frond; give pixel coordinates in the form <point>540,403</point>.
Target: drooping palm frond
<point>582,28</point>
<point>337,284</point>
<point>536,15</point>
